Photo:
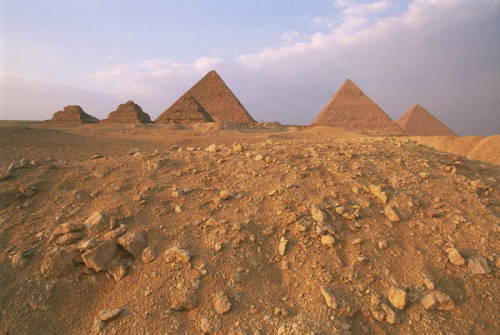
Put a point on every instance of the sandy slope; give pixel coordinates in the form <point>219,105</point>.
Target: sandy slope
<point>288,235</point>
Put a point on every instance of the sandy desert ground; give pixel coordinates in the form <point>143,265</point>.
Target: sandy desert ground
<point>151,229</point>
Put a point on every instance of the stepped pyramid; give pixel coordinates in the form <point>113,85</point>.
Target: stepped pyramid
<point>418,121</point>
<point>214,97</point>
<point>72,114</point>
<point>351,109</point>
<point>128,112</point>
<point>184,111</point>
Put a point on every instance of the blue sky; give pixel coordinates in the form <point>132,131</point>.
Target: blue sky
<point>283,58</point>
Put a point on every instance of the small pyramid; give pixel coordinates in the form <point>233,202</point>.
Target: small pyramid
<point>185,111</point>
<point>72,114</point>
<point>129,112</point>
<point>351,109</point>
<point>215,97</point>
<point>418,121</point>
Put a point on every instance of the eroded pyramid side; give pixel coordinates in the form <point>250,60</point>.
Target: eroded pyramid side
<point>350,108</point>
<point>129,112</point>
<point>72,114</point>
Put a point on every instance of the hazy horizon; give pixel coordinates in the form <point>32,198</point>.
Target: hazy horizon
<point>283,59</point>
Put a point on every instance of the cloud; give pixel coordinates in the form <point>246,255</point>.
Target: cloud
<point>364,9</point>
<point>442,54</point>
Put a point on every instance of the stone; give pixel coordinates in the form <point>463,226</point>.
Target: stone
<point>133,242</point>
<point>478,265</point>
<point>317,214</point>
<point>99,257</point>
<point>390,315</point>
<point>148,255</point>
<point>376,190</point>
<point>19,259</point>
<point>183,299</point>
<point>221,303</point>
<point>205,326</point>
<point>328,240</point>
<point>117,269</point>
<point>224,195</point>
<point>177,255</point>
<point>109,314</point>
<point>237,147</point>
<point>97,222</point>
<point>455,257</point>
<point>217,247</point>
<point>68,228</point>
<point>258,157</point>
<point>69,238</point>
<point>397,297</point>
<point>391,214</point>
<point>57,263</point>
<point>282,246</point>
<point>212,148</point>
<point>329,297</point>
<point>437,300</point>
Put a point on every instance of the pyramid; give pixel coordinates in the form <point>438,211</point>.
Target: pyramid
<point>351,109</point>
<point>418,121</point>
<point>72,114</point>
<point>128,112</point>
<point>214,97</point>
<point>185,111</point>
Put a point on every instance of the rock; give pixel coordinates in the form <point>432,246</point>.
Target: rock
<point>205,326</point>
<point>99,257</point>
<point>282,246</point>
<point>5,175</point>
<point>8,197</point>
<point>20,259</point>
<point>455,257</point>
<point>237,147</point>
<point>376,190</point>
<point>117,269</point>
<point>390,315</point>
<point>478,265</point>
<point>397,297</point>
<point>391,214</point>
<point>329,297</point>
<point>258,157</point>
<point>69,238</point>
<point>317,214</point>
<point>212,148</point>
<point>148,255</point>
<point>224,195</point>
<point>217,247</point>
<point>97,222</point>
<point>177,254</point>
<point>437,300</point>
<point>222,304</point>
<point>183,300</point>
<point>115,233</point>
<point>134,243</point>
<point>87,244</point>
<point>109,314</point>
<point>57,262</point>
<point>68,228</point>
<point>340,210</point>
<point>328,240</point>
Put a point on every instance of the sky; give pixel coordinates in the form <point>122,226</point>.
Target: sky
<point>283,59</point>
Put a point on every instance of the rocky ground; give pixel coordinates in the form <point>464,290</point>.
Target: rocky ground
<point>278,231</point>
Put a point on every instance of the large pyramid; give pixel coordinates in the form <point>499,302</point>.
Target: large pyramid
<point>214,97</point>
<point>351,109</point>
<point>129,112</point>
<point>72,114</point>
<point>185,111</point>
<point>418,121</point>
